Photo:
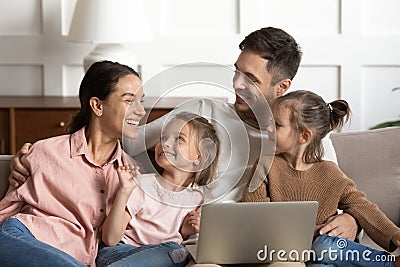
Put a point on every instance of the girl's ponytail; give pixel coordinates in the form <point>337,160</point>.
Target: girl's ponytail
<point>310,111</point>
<point>339,113</point>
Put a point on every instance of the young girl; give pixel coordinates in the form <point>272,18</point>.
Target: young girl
<point>153,214</point>
<point>298,173</point>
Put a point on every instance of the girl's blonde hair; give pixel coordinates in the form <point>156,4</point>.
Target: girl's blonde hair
<point>309,111</point>
<point>208,144</point>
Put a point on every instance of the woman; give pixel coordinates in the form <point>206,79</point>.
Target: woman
<point>53,219</point>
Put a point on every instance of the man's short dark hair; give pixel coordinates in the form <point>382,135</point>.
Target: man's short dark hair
<point>279,48</point>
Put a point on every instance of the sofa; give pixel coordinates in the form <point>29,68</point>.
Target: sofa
<point>371,158</point>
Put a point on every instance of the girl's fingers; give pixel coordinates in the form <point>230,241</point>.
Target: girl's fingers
<point>134,171</point>
<point>123,168</point>
<point>194,220</point>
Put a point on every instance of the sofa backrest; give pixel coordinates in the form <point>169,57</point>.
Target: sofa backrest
<point>372,159</point>
<point>4,173</point>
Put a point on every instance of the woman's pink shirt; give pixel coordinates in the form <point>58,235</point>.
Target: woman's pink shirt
<point>65,200</point>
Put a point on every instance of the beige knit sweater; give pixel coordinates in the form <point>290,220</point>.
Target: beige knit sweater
<point>323,182</point>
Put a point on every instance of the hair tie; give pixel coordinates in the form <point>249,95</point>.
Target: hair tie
<point>330,107</point>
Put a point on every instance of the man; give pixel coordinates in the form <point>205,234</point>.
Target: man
<point>269,58</point>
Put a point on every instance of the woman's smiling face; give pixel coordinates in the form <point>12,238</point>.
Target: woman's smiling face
<point>123,109</point>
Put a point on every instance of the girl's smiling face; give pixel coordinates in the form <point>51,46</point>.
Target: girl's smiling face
<point>178,148</point>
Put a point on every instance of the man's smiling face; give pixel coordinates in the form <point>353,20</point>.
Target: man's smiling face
<point>252,80</point>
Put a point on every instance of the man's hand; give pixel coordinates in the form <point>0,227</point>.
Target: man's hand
<point>396,239</point>
<point>342,225</point>
<point>18,172</point>
<point>191,224</point>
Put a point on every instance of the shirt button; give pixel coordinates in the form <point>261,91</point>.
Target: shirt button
<point>101,210</point>
<point>102,191</point>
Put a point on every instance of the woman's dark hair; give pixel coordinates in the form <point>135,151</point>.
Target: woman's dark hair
<point>279,48</point>
<point>309,111</point>
<point>99,81</point>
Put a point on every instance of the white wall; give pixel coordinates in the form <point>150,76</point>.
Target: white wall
<point>351,47</point>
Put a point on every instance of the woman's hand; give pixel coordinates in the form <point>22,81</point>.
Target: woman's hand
<point>18,172</point>
<point>191,224</point>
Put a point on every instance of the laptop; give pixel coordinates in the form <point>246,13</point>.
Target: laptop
<point>255,232</point>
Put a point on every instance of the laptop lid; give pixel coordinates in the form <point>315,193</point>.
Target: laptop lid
<point>255,232</point>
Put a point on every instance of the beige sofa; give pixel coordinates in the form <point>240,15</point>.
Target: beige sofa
<point>371,158</point>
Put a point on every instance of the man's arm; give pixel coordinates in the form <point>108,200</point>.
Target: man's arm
<point>14,199</point>
<point>18,172</point>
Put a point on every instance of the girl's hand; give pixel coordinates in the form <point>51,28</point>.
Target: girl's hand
<point>127,176</point>
<point>396,239</point>
<point>191,224</point>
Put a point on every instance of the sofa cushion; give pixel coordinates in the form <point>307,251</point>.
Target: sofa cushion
<point>372,159</point>
<point>4,172</point>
